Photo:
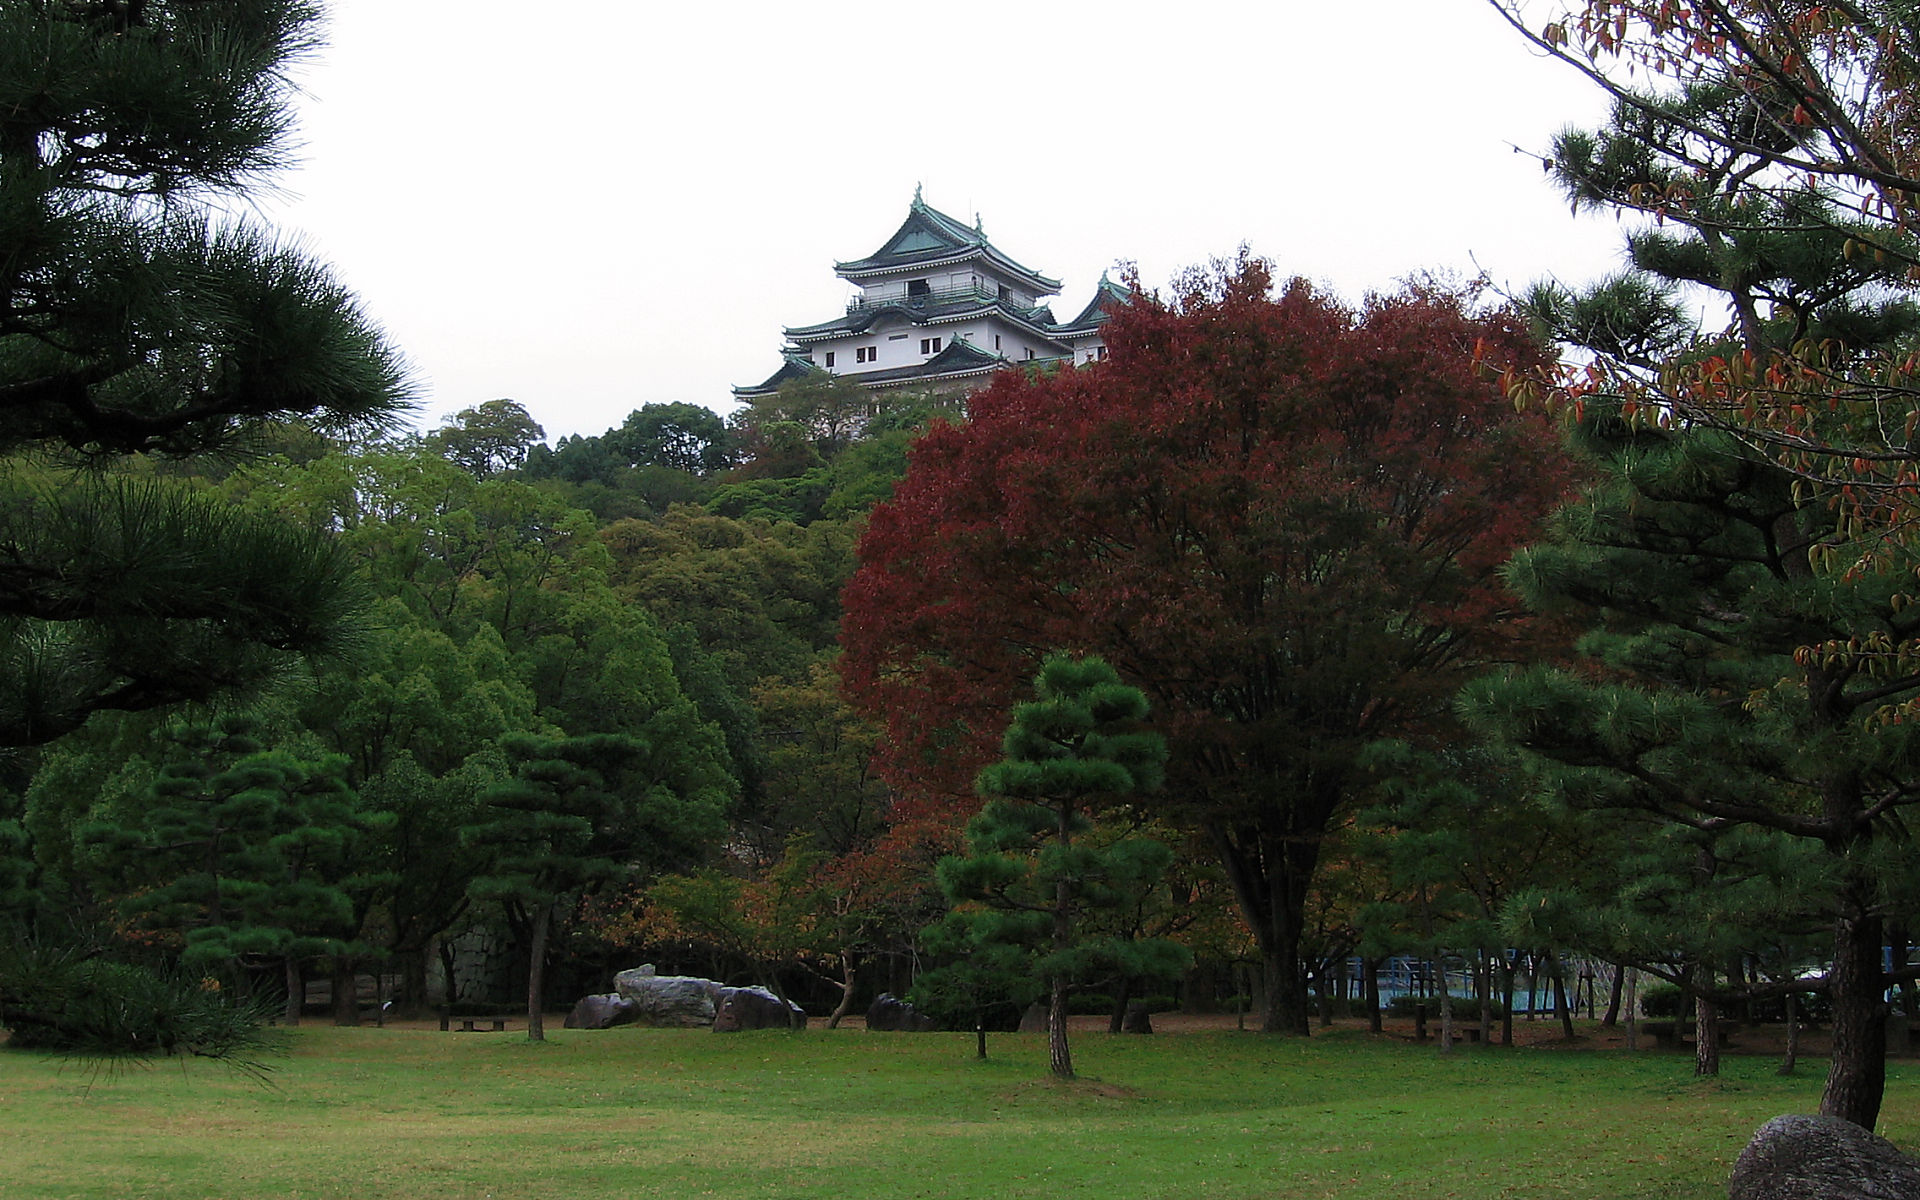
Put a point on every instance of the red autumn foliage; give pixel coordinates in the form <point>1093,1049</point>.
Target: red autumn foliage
<point>1281,517</point>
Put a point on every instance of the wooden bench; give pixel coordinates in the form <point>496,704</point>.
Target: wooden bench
<point>467,1025</point>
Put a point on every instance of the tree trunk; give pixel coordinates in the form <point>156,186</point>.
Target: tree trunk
<point>1899,936</point>
<point>1614,996</point>
<point>450,988</point>
<point>796,1019</point>
<point>1446,1008</point>
<point>1484,985</point>
<point>296,992</point>
<point>1791,1059</point>
<point>1899,1035</point>
<point>1857,1079</point>
<point>346,993</point>
<point>537,972</point>
<point>1270,877</point>
<point>1370,975</point>
<point>1560,1005</point>
<point>1632,1002</point>
<point>1287,1008</point>
<point>1122,995</point>
<point>847,966</point>
<point>1507,972</point>
<point>1059,1056</point>
<point>412,998</point>
<point>1706,1029</point>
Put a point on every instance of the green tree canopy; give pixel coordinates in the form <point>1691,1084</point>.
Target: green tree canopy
<point>1075,749</point>
<point>134,319</point>
<point>488,438</point>
<point>580,813</point>
<point>140,313</point>
<point>1722,696</point>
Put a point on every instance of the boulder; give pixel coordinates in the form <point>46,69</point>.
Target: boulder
<point>1136,1020</point>
<point>756,1008</point>
<point>1034,1020</point>
<point>889,1014</point>
<point>601,1012</point>
<point>670,1001</point>
<point>1803,1157</point>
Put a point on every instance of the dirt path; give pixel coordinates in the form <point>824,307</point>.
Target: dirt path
<point>1538,1034</point>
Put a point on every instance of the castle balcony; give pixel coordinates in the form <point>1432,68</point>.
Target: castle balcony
<point>930,298</point>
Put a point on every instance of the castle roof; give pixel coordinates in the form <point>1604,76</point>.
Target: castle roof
<point>1099,310</point>
<point>960,358</point>
<point>792,366</point>
<point>930,238</point>
<point>917,312</point>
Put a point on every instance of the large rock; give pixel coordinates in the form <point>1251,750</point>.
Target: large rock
<point>601,1012</point>
<point>1800,1157</point>
<point>756,1008</point>
<point>671,1001</point>
<point>889,1014</point>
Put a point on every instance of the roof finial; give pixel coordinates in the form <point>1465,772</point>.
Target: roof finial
<point>977,227</point>
<point>917,202</point>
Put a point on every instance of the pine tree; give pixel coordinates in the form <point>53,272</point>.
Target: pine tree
<point>139,315</point>
<point>1778,257</point>
<point>245,854</point>
<point>1724,699</point>
<point>581,812</point>
<point>1077,748</point>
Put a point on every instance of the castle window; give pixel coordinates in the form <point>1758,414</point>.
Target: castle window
<point>866,354</point>
<point>929,345</point>
<point>829,360</point>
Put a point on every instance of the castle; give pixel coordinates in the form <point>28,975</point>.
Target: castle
<point>939,310</point>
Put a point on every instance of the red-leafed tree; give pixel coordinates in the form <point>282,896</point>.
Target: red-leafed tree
<point>1281,517</point>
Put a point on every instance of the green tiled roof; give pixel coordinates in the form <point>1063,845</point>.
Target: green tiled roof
<point>1096,313</point>
<point>930,236</point>
<point>793,366</point>
<point>1039,320</point>
<point>960,357</point>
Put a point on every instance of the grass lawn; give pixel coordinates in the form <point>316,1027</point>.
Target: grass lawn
<point>370,1114</point>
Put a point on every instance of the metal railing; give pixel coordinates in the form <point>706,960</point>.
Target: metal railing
<point>927,298</point>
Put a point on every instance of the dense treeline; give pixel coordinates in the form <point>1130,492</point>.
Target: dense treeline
<point>497,610</point>
<point>1335,649</point>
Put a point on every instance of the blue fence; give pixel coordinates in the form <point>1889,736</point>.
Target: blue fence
<point>1406,975</point>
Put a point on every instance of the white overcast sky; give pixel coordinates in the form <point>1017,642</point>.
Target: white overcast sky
<point>597,204</point>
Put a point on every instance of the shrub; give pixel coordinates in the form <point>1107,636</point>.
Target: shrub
<point>1663,1002</point>
<point>94,1007</point>
<point>1463,1007</point>
<point>1816,1007</point>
